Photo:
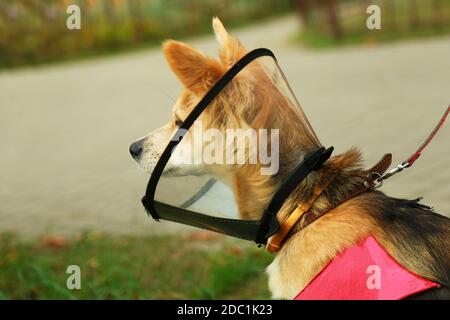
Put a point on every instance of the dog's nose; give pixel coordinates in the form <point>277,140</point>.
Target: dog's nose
<point>136,149</point>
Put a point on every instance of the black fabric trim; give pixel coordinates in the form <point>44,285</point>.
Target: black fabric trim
<point>242,229</point>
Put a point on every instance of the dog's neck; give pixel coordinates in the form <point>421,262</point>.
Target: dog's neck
<point>339,178</point>
<point>254,191</point>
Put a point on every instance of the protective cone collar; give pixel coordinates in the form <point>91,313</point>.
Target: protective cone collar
<point>185,198</point>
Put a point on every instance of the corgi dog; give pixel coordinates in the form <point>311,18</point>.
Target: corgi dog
<point>410,233</point>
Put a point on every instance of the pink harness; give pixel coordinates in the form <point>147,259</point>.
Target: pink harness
<point>364,272</point>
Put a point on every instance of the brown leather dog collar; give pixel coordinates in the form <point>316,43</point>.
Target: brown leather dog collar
<point>303,211</point>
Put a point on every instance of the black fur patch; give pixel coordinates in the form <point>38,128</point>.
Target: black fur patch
<point>419,236</point>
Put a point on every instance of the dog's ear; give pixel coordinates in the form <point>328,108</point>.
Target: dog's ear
<point>231,50</point>
<point>196,71</point>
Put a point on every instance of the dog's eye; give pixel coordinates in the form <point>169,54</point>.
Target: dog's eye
<point>178,122</point>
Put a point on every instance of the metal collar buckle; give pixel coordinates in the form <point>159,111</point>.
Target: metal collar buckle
<point>390,173</point>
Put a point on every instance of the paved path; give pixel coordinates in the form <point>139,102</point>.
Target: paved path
<point>65,129</point>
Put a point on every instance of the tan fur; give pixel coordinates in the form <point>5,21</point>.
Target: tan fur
<point>231,49</point>
<point>194,70</point>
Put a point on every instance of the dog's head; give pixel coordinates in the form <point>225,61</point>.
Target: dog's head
<point>249,101</point>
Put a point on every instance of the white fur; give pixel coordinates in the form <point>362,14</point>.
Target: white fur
<point>279,288</point>
<point>180,162</point>
<point>220,31</point>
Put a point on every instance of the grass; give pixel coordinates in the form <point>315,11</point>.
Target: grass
<point>319,40</point>
<point>156,267</point>
<point>397,23</point>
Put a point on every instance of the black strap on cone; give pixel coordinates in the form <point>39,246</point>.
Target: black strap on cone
<point>312,161</point>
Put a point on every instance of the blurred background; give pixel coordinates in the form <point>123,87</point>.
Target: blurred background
<point>71,102</point>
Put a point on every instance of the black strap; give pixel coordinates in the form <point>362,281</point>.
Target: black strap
<point>312,161</point>
<point>242,229</point>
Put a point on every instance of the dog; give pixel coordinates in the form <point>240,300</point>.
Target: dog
<point>412,234</point>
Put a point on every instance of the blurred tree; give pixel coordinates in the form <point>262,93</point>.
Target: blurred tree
<point>437,14</point>
<point>330,18</point>
<point>304,10</point>
<point>135,8</point>
<point>391,13</point>
<point>413,14</point>
<point>333,19</point>
<point>108,10</point>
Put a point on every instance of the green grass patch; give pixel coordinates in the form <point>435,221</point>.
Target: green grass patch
<point>399,19</point>
<point>156,267</point>
<point>319,40</point>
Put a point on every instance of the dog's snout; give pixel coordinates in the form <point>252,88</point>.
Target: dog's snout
<point>136,149</point>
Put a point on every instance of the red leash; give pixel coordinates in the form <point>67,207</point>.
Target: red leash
<point>409,162</point>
